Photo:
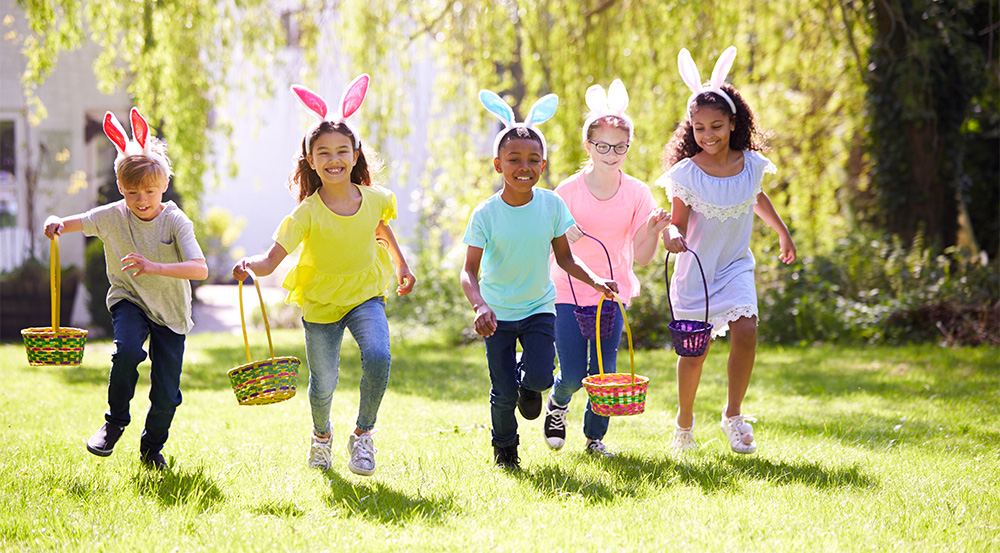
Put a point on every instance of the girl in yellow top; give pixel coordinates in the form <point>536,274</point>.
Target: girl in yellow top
<point>342,272</point>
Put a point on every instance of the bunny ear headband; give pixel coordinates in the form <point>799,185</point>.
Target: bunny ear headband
<point>689,72</point>
<point>540,112</point>
<point>350,101</point>
<point>602,104</point>
<point>140,143</point>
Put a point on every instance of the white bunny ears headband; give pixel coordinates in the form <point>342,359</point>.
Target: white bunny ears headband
<point>350,101</point>
<point>141,143</point>
<point>689,72</point>
<point>540,112</point>
<point>602,104</point>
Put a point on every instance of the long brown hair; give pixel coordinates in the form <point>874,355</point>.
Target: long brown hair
<point>306,180</point>
<point>745,135</point>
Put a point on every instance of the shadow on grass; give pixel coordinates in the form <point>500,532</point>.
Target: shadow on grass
<point>378,502</point>
<point>178,487</point>
<point>557,481</point>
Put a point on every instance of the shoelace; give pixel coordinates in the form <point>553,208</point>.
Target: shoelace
<point>598,447</point>
<point>558,419</point>
<point>364,448</point>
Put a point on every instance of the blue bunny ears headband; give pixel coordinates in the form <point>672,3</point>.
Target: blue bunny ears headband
<point>540,112</point>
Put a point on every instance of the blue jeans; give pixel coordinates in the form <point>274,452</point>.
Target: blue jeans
<point>534,371</point>
<point>166,355</point>
<point>574,365</point>
<point>370,329</point>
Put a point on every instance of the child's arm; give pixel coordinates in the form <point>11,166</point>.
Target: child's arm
<point>404,277</point>
<point>765,210</point>
<point>261,265</point>
<point>575,268</point>
<point>192,269</point>
<point>644,242</point>
<point>486,320</point>
<point>673,239</point>
<point>55,226</point>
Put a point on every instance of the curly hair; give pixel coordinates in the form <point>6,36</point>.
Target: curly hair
<point>305,180</point>
<point>516,133</point>
<point>746,135</point>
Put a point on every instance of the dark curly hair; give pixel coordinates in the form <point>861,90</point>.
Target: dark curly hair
<point>305,180</point>
<point>516,133</point>
<point>746,135</point>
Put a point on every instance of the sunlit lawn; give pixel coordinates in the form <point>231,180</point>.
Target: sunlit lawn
<point>860,449</point>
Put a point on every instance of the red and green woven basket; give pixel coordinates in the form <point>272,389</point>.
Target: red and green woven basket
<point>55,345</point>
<point>616,394</point>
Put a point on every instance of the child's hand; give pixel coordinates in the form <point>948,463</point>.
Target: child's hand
<point>607,287</point>
<point>673,241</point>
<point>142,265</point>
<point>486,321</point>
<point>406,280</point>
<point>787,249</point>
<point>659,220</point>
<point>242,269</point>
<point>53,227</point>
<point>574,233</point>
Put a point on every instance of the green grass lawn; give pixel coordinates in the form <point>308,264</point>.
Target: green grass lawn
<point>859,449</point>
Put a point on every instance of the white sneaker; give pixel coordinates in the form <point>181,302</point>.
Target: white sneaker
<point>362,451</point>
<point>740,432</point>
<point>684,438</point>
<point>319,453</point>
<point>598,449</point>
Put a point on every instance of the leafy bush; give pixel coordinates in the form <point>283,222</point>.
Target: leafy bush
<point>96,283</point>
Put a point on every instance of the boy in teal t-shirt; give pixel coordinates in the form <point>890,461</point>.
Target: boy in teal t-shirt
<point>506,279</point>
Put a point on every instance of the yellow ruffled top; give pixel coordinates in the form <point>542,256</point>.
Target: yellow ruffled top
<point>341,264</point>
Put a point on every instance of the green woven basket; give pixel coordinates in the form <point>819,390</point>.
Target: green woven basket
<point>55,345</point>
<point>616,394</point>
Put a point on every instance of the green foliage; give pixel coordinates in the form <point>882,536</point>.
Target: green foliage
<point>97,285</point>
<point>216,235</point>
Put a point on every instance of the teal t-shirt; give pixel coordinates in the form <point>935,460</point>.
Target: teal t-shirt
<point>516,241</point>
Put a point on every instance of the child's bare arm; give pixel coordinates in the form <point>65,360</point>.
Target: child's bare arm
<point>192,269</point>
<point>485,322</point>
<point>56,225</point>
<point>765,210</point>
<point>645,239</point>
<point>261,265</point>
<point>404,276</point>
<point>575,268</point>
<point>673,238</point>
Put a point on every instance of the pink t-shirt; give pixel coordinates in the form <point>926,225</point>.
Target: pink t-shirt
<point>614,222</point>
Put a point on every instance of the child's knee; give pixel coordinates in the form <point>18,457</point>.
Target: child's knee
<point>130,355</point>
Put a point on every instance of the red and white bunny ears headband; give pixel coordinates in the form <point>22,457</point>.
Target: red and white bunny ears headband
<point>141,143</point>
<point>689,72</point>
<point>602,104</point>
<point>350,101</point>
<point>540,112</point>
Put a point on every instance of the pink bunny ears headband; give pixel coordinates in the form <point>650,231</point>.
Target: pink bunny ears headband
<point>689,72</point>
<point>350,101</point>
<point>141,143</point>
<point>540,112</point>
<point>601,104</point>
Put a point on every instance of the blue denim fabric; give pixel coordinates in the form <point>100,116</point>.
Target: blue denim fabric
<point>166,355</point>
<point>370,329</point>
<point>534,371</point>
<point>574,364</point>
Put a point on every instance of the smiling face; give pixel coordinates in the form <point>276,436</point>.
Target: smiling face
<point>602,134</point>
<point>145,201</point>
<point>712,128</point>
<point>333,157</point>
<point>521,165</point>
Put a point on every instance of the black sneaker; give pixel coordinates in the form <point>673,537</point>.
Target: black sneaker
<point>529,403</point>
<point>102,443</point>
<point>153,461</point>
<point>506,457</point>
<point>555,425</point>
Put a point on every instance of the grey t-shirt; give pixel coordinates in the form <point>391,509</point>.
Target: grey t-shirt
<point>168,238</point>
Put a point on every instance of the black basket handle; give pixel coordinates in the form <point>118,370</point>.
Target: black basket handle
<point>704,283</point>
<point>611,269</point>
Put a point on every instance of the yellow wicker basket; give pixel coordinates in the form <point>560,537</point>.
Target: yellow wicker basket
<point>616,394</point>
<point>55,345</point>
<point>262,382</point>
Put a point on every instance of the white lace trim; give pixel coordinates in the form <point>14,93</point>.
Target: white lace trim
<point>720,323</point>
<point>712,211</point>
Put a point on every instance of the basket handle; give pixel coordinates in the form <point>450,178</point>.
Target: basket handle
<point>243,321</point>
<point>611,268</point>
<point>704,283</point>
<point>55,278</point>
<point>628,332</point>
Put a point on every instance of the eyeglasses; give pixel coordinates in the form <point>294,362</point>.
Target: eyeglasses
<point>604,147</point>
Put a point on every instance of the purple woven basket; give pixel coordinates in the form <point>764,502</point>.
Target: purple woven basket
<point>690,338</point>
<point>586,315</point>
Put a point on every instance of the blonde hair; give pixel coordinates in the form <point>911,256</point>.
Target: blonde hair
<point>140,170</point>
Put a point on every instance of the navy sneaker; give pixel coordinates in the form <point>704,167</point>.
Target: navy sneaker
<point>506,457</point>
<point>529,403</point>
<point>102,443</point>
<point>153,460</point>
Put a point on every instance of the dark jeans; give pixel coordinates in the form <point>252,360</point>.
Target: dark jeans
<point>534,371</point>
<point>166,353</point>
